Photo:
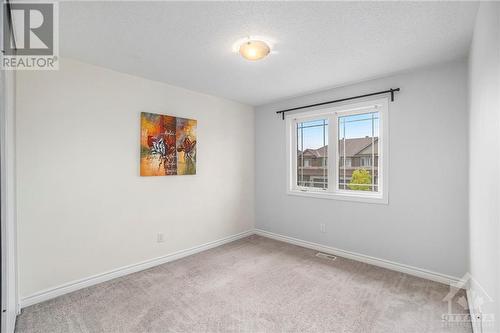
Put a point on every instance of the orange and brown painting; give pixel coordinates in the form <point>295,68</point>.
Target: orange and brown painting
<point>168,145</point>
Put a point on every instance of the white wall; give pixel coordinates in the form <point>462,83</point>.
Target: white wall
<point>425,222</point>
<point>84,209</point>
<point>484,160</point>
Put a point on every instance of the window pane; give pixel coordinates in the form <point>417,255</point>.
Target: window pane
<point>312,153</point>
<point>358,152</point>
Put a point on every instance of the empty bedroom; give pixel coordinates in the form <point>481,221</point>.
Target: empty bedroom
<point>250,166</point>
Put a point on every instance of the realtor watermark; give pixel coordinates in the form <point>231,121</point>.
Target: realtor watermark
<point>30,36</point>
<point>464,309</point>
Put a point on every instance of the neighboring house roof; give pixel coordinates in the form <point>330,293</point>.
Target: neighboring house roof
<point>320,152</point>
<point>352,147</point>
<point>368,149</point>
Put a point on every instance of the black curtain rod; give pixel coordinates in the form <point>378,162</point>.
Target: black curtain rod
<point>390,91</point>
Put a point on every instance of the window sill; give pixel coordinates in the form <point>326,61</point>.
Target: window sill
<point>374,199</point>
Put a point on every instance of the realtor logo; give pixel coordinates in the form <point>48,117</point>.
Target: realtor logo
<point>30,36</point>
<point>467,309</point>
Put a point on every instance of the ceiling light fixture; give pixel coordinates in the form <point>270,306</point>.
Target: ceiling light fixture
<point>253,49</point>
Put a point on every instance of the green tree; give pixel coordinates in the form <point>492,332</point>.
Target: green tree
<point>360,176</point>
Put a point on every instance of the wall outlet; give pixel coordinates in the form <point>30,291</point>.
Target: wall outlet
<point>322,228</point>
<point>160,238</point>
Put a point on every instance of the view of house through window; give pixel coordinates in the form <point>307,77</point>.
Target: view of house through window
<point>312,153</point>
<point>358,152</point>
<point>353,166</point>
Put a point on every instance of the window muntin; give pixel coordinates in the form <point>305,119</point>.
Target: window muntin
<point>358,142</point>
<point>365,122</point>
<point>312,154</point>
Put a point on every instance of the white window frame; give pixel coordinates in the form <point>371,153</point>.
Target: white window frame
<point>332,114</point>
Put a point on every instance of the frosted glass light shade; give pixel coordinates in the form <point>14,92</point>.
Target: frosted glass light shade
<point>254,50</point>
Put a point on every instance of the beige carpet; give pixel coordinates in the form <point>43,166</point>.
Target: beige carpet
<point>251,285</point>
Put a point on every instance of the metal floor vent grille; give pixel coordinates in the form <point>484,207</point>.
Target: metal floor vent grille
<point>325,256</point>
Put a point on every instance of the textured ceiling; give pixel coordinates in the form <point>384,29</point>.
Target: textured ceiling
<point>317,44</point>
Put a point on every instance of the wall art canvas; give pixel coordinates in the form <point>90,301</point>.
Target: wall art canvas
<point>168,145</point>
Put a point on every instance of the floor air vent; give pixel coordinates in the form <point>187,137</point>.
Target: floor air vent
<point>325,256</point>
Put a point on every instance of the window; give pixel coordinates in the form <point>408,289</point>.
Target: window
<point>354,167</point>
<point>357,136</point>
<point>365,161</point>
<point>311,158</point>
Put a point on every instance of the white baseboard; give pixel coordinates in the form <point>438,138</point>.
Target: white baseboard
<point>53,292</point>
<point>10,318</point>
<point>415,271</point>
